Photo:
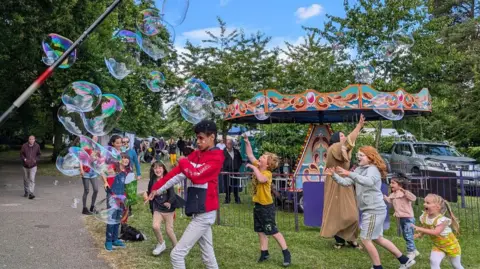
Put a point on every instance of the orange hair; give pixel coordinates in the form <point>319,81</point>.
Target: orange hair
<point>375,159</point>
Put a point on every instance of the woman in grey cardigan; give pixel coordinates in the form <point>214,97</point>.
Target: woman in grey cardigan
<point>367,178</point>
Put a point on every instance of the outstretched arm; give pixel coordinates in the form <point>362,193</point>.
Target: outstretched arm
<point>345,181</point>
<point>437,231</point>
<point>248,149</point>
<point>203,174</point>
<point>373,175</point>
<point>354,134</point>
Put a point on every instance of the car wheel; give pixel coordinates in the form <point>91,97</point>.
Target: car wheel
<point>415,171</point>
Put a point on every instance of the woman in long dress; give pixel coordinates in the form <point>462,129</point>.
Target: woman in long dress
<point>340,212</point>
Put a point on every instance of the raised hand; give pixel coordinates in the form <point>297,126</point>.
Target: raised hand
<point>245,138</point>
<point>361,122</point>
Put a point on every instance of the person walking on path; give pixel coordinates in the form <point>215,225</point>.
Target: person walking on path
<point>30,155</point>
<point>340,212</point>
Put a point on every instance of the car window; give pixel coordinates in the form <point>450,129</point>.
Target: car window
<point>407,147</point>
<point>398,148</point>
<point>436,150</point>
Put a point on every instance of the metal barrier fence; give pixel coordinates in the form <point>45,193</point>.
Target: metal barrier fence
<point>460,188</point>
<point>236,205</point>
<point>459,184</point>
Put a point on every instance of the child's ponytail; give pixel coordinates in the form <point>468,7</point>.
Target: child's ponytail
<point>455,222</point>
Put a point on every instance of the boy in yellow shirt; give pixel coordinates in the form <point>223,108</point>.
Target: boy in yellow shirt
<point>264,211</point>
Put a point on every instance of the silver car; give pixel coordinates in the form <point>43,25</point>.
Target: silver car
<point>422,157</point>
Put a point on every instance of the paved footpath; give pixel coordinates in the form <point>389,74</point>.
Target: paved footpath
<point>45,232</point>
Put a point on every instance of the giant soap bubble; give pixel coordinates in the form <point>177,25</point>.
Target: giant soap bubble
<point>72,120</point>
<point>173,11</point>
<point>122,55</point>
<point>159,45</point>
<point>54,45</point>
<point>68,164</point>
<point>149,22</point>
<point>111,210</point>
<point>82,96</point>
<point>104,117</point>
<point>102,159</point>
<point>386,106</point>
<point>155,81</point>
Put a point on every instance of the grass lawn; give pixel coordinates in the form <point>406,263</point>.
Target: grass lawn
<point>237,246</point>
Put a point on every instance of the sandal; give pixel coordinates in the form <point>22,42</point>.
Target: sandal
<point>339,245</point>
<point>354,244</point>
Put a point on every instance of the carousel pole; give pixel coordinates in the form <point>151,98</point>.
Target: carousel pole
<point>47,73</point>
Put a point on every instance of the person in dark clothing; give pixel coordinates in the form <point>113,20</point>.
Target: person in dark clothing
<point>30,155</point>
<point>181,145</point>
<point>232,163</point>
<point>188,149</point>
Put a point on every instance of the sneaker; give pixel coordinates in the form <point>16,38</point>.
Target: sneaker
<point>409,264</point>
<point>413,254</point>
<point>25,195</point>
<point>287,258</point>
<point>108,246</point>
<point>86,212</point>
<point>31,196</point>
<point>118,244</point>
<point>159,249</point>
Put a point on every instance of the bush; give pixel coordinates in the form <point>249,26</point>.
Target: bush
<point>4,148</point>
<point>473,152</point>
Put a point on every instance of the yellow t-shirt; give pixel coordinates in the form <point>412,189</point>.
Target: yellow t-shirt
<point>262,191</point>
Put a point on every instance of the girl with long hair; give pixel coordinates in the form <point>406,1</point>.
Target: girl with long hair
<point>367,179</point>
<point>162,207</point>
<point>441,230</point>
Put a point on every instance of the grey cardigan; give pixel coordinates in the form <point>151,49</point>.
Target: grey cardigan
<point>368,184</point>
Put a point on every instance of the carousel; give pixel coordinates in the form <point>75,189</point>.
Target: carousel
<point>319,110</point>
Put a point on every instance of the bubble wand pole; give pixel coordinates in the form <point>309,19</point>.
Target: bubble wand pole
<point>47,73</point>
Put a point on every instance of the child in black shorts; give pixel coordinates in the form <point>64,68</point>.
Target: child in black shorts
<point>264,211</point>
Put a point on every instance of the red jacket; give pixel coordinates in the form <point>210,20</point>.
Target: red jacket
<point>202,170</point>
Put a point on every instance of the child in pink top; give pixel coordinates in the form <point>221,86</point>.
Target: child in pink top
<point>401,200</point>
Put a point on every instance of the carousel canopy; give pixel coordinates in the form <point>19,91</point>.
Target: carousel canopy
<point>318,107</point>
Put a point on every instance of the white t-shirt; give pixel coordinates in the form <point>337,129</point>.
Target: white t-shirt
<point>221,146</point>
<point>429,221</point>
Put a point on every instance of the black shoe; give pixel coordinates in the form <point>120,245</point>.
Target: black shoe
<point>227,202</point>
<point>86,212</point>
<point>31,196</point>
<point>264,255</point>
<point>25,195</point>
<point>287,258</point>
<point>238,201</point>
<point>92,209</point>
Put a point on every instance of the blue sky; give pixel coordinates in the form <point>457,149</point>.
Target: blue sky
<point>280,19</point>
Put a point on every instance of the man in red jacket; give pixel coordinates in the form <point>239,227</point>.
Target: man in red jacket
<point>201,168</point>
<point>30,154</point>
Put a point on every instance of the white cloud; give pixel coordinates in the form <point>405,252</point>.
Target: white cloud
<point>304,13</point>
<point>224,2</point>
